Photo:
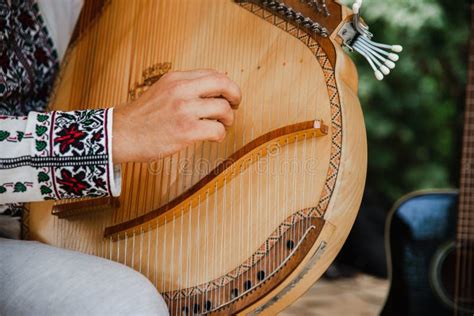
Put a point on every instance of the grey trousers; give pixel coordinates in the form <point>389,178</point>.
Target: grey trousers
<point>36,279</point>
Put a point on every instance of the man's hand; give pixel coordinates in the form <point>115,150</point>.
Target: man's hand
<point>178,110</point>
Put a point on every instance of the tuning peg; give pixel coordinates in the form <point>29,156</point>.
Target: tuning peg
<point>356,6</point>
<point>356,36</point>
<point>390,64</point>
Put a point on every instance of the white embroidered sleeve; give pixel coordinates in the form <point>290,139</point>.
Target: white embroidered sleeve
<point>57,155</point>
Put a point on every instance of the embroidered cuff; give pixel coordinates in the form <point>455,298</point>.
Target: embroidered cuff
<point>72,154</point>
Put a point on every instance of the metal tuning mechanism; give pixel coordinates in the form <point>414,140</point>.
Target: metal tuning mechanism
<point>286,12</point>
<point>356,36</point>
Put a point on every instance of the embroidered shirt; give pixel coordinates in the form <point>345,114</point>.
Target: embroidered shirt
<point>55,155</point>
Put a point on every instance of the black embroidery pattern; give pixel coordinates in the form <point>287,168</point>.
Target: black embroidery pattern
<point>28,61</point>
<point>28,66</point>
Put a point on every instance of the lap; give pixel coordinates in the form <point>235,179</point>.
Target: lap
<point>36,279</point>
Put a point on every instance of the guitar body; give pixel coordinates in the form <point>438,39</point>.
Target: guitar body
<point>419,227</point>
<point>248,224</point>
<point>430,239</point>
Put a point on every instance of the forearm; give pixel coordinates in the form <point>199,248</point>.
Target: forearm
<point>56,155</point>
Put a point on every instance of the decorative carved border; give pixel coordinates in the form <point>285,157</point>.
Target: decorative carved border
<point>256,257</point>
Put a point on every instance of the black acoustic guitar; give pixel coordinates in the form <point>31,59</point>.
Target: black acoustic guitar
<point>430,239</point>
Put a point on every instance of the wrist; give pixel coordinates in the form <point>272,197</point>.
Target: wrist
<point>119,153</point>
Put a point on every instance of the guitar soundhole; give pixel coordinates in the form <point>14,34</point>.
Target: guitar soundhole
<point>261,275</point>
<point>455,291</point>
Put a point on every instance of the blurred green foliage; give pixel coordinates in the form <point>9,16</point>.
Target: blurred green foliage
<point>414,117</point>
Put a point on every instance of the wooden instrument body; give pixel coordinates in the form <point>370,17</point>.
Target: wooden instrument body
<point>286,78</point>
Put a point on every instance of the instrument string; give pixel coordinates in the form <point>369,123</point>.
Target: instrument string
<point>295,178</point>
<point>78,242</point>
<point>249,211</point>
<point>164,266</point>
<point>301,112</point>
<point>193,164</point>
<point>171,285</point>
<point>241,218</point>
<point>215,230</point>
<point>266,185</point>
<point>57,225</point>
<point>147,60</point>
<point>171,44</point>
<point>198,276</point>
<point>157,235</point>
<point>206,223</point>
<point>152,173</point>
<point>75,242</point>
<point>242,125</point>
<point>132,263</point>
<point>142,186</point>
<point>304,175</point>
<point>292,189</point>
<point>118,250</point>
<point>110,248</point>
<point>157,56</point>
<point>286,186</point>
<point>66,231</point>
<point>100,241</point>
<point>188,256</point>
<point>281,203</point>
<point>261,210</point>
<point>125,249</point>
<point>148,255</point>
<point>232,219</point>
<point>141,250</point>
<point>225,209</point>
<point>180,260</point>
<point>103,241</point>
<point>223,226</point>
<point>183,175</point>
<point>214,241</point>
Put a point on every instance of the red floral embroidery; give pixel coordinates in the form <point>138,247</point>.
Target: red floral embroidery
<point>70,136</point>
<point>73,184</point>
<point>97,136</point>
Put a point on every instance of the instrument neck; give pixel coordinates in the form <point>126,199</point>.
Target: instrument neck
<point>466,202</point>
